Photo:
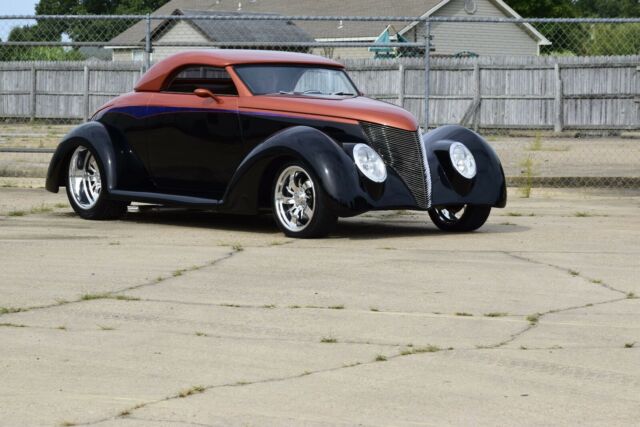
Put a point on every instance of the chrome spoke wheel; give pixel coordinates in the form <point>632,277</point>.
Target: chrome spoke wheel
<point>295,198</point>
<point>85,183</point>
<point>450,214</point>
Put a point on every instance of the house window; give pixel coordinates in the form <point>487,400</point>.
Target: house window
<point>217,80</point>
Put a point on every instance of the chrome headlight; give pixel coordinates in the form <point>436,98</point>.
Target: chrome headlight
<point>369,162</point>
<point>462,160</point>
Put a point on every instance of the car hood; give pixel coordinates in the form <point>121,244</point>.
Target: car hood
<point>355,108</point>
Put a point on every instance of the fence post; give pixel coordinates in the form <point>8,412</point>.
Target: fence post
<point>147,43</point>
<point>85,93</point>
<point>401,78</point>
<point>477,96</point>
<point>32,94</point>
<point>427,70</point>
<point>559,101</point>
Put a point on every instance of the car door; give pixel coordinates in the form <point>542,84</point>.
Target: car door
<point>194,142</point>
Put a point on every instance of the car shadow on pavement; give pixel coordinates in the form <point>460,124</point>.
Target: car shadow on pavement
<point>351,228</point>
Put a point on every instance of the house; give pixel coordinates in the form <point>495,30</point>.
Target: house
<point>449,38</point>
<point>167,35</point>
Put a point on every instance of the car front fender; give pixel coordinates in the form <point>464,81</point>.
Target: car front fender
<point>327,160</point>
<point>487,188</point>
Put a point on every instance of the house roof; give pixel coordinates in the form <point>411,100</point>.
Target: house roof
<point>234,30</point>
<point>318,29</point>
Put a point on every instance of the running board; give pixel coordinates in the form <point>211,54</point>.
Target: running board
<point>165,199</point>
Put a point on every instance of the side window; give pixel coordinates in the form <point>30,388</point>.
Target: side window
<point>217,80</point>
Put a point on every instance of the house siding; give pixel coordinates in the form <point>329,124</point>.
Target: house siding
<point>450,38</point>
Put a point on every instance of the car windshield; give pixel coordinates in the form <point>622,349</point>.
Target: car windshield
<point>296,80</point>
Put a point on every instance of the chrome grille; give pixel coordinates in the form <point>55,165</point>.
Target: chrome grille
<point>402,151</point>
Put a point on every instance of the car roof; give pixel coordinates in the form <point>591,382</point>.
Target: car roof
<point>153,79</point>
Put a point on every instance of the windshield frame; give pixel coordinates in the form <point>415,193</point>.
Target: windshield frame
<point>239,67</point>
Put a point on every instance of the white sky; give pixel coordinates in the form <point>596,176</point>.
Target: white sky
<point>14,7</point>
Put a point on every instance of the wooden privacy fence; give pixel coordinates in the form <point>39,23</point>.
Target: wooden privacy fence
<point>501,92</point>
<point>62,90</point>
<point>577,93</point>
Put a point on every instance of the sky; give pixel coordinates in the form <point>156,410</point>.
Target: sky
<point>14,7</point>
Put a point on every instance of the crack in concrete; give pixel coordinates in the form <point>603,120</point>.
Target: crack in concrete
<point>111,294</point>
<point>566,270</point>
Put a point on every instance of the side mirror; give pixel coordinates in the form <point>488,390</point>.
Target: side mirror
<point>205,93</point>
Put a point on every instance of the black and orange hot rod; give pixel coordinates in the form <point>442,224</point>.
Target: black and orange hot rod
<point>243,131</point>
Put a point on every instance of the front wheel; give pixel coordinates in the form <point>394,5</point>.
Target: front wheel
<point>84,187</point>
<point>459,218</point>
<point>299,204</point>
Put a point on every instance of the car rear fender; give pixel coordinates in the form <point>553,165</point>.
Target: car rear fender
<point>95,136</point>
<point>327,160</point>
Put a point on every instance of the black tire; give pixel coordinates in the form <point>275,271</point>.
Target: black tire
<point>100,207</point>
<point>322,220</point>
<point>460,218</point>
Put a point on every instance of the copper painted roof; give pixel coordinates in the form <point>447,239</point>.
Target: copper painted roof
<point>153,79</point>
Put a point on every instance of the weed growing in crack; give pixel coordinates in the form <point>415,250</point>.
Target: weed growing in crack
<point>269,306</point>
<point>631,295</point>
<point>328,340</point>
<point>237,247</point>
<point>62,328</point>
<point>12,325</point>
<point>336,307</point>
<point>582,214</point>
<point>295,306</point>
<point>9,310</point>
<point>496,314</point>
<point>417,350</point>
<point>380,358</point>
<point>629,345</point>
<point>574,273</point>
<point>374,309</point>
<point>201,334</point>
<point>597,281</point>
<point>464,314</point>
<point>190,391</point>
<point>106,328</point>
<point>533,319</point>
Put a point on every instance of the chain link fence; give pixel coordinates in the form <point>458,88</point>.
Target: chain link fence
<point>559,99</point>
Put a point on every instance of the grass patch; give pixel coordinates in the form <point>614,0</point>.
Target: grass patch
<point>533,319</point>
<point>464,314</point>
<point>191,391</point>
<point>496,314</point>
<point>328,340</point>
<point>41,209</point>
<point>16,213</point>
<point>527,173</point>
<point>536,144</point>
<point>237,247</point>
<point>380,358</point>
<point>89,297</point>
<point>60,205</point>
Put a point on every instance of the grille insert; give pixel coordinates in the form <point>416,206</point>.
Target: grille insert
<point>402,150</point>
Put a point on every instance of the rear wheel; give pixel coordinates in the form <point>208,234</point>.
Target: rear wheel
<point>459,217</point>
<point>299,204</point>
<point>84,187</point>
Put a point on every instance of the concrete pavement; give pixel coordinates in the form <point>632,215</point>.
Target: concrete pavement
<point>179,318</point>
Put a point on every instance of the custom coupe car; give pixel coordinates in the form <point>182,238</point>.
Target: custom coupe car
<point>244,131</point>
